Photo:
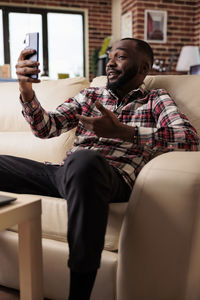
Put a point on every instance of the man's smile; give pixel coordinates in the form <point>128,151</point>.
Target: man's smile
<point>112,74</point>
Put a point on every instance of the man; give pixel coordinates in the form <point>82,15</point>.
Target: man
<point>119,129</point>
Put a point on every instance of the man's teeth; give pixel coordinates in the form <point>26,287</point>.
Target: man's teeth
<point>113,73</point>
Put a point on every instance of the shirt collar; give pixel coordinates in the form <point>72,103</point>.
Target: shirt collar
<point>140,91</point>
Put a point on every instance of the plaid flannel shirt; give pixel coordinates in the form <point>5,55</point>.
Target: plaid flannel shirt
<point>160,126</point>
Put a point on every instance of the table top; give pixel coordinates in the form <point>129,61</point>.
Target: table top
<point>25,208</point>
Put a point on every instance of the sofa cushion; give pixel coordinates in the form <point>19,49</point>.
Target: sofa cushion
<point>184,90</point>
<point>25,144</point>
<point>16,136</point>
<point>54,220</point>
<point>50,93</point>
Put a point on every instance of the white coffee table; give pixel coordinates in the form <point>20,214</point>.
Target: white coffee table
<point>26,212</point>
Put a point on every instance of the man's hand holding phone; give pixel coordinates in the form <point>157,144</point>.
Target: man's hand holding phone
<point>27,71</point>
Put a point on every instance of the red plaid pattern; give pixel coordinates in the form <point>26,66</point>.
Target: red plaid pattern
<point>160,126</point>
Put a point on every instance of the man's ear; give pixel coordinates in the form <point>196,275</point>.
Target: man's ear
<point>145,68</point>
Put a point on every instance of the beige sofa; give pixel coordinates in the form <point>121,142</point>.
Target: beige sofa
<point>157,232</point>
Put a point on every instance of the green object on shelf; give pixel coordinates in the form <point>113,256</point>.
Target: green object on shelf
<point>63,75</point>
<point>105,45</point>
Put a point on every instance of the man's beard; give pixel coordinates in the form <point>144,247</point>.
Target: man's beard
<point>128,75</point>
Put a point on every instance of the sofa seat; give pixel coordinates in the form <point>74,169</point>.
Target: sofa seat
<point>54,220</point>
<point>55,270</point>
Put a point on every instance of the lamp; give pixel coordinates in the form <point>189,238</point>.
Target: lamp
<point>189,56</point>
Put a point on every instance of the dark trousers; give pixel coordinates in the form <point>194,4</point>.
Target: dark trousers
<point>87,182</point>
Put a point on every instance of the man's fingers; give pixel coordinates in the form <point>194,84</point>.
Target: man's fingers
<point>88,120</point>
<point>27,71</point>
<point>27,79</point>
<point>84,119</point>
<point>101,108</point>
<point>26,63</point>
<point>24,53</point>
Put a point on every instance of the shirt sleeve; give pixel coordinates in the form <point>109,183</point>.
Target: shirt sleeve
<point>45,124</point>
<point>173,130</point>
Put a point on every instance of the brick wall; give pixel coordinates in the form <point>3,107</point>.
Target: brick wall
<point>99,16</point>
<point>183,21</point>
<point>197,24</point>
<point>183,24</point>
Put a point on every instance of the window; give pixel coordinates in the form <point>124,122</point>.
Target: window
<point>61,46</point>
<point>19,25</point>
<point>65,45</point>
<point>1,40</point>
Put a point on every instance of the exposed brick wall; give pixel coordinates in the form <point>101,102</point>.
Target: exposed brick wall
<point>197,24</point>
<point>99,16</point>
<point>183,25</point>
<point>183,21</point>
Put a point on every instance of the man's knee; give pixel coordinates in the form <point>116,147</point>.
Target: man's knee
<point>84,172</point>
<point>85,162</point>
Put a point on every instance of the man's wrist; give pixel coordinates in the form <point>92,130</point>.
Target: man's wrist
<point>27,96</point>
<point>128,133</point>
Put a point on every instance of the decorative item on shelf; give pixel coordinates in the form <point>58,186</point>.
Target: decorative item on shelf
<point>5,71</point>
<point>169,67</point>
<point>189,56</point>
<point>156,65</point>
<point>105,45</point>
<point>63,75</point>
<point>99,57</point>
<point>162,65</point>
<point>159,65</point>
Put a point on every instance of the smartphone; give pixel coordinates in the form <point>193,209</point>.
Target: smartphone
<point>32,42</point>
<point>6,199</point>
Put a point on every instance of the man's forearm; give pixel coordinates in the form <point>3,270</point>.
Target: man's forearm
<point>26,91</point>
<point>27,95</point>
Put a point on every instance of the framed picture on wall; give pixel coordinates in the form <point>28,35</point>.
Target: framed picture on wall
<point>126,25</point>
<point>155,26</point>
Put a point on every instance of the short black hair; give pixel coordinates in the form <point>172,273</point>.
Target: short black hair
<point>144,47</point>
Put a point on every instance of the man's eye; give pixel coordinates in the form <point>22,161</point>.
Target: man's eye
<point>121,57</point>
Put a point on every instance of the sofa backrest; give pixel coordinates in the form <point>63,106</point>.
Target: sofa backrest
<point>184,89</point>
<point>16,137</point>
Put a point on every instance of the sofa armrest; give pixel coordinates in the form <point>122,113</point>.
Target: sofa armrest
<point>159,253</point>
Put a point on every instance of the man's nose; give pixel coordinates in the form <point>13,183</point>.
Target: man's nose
<point>111,62</point>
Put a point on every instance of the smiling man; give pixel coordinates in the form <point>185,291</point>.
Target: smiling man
<point>122,75</point>
<point>119,128</point>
